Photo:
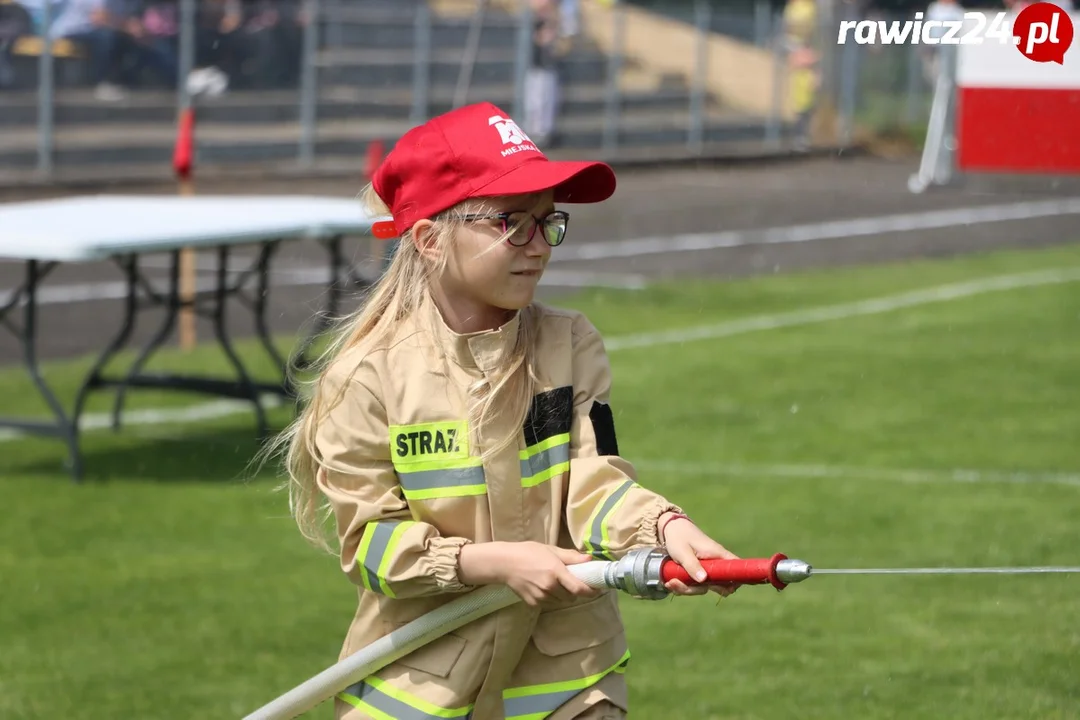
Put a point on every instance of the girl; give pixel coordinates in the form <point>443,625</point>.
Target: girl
<point>460,435</point>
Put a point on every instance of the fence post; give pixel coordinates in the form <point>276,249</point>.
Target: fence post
<point>421,63</point>
<point>703,24</point>
<point>849,84</point>
<point>612,99</point>
<point>186,59</point>
<point>45,95</point>
<point>308,79</point>
<point>779,53</point>
<point>523,57</point>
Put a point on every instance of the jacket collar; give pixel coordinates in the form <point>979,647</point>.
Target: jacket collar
<point>483,350</point>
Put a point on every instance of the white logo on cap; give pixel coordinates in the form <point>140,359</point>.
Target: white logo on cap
<point>511,134</point>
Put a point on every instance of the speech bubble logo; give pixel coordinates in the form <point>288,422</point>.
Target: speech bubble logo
<point>1043,33</point>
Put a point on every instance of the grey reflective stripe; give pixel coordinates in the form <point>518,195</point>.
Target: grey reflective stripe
<point>596,536</point>
<point>437,479</point>
<point>380,538</point>
<point>537,704</point>
<point>396,708</point>
<point>541,461</point>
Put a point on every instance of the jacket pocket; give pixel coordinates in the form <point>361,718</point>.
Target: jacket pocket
<point>436,658</point>
<point>578,627</point>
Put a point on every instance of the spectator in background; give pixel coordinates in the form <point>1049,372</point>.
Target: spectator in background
<point>109,29</point>
<point>800,41</point>
<point>15,21</point>
<point>542,79</point>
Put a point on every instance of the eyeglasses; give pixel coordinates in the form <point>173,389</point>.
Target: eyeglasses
<point>554,224</point>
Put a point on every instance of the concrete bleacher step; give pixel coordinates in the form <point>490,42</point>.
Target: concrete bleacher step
<point>269,142</point>
<point>358,27</point>
<point>364,67</point>
<point>78,107</point>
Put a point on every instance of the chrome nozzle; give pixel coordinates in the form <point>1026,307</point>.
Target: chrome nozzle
<point>793,571</point>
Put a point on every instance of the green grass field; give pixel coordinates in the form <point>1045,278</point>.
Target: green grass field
<point>172,585</point>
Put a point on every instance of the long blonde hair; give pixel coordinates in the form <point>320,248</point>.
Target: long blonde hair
<point>502,402</point>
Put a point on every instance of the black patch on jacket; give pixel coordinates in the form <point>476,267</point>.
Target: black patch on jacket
<point>603,423</point>
<point>551,413</point>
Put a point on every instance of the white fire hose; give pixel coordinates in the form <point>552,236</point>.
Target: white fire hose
<point>641,573</point>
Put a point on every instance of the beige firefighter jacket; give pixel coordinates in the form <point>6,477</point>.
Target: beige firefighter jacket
<point>407,490</point>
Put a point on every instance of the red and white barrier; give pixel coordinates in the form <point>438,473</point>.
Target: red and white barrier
<point>997,111</point>
<point>1016,115</point>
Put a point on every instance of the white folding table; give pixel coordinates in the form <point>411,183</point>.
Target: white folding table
<point>44,234</point>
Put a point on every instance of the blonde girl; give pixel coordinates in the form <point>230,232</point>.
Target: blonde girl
<point>459,435</point>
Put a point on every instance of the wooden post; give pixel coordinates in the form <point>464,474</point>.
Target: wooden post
<point>182,164</point>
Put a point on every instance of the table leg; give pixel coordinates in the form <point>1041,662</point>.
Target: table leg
<point>220,297</point>
<point>262,296</point>
<point>95,378</point>
<point>62,426</point>
<point>301,360</point>
<point>172,308</point>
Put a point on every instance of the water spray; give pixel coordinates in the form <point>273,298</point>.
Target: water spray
<point>641,574</point>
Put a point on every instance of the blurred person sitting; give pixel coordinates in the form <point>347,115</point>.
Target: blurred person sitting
<point>269,43</point>
<point>15,21</point>
<point>542,79</point>
<point>217,50</point>
<point>109,30</point>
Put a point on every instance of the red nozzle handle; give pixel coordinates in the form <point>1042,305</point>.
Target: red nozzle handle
<point>754,571</point>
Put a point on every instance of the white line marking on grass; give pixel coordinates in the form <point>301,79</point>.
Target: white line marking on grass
<point>940,293</point>
<point>832,230</point>
<point>162,416</point>
<point>873,306</point>
<point>809,472</point>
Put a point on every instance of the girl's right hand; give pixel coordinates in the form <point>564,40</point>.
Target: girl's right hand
<point>536,572</point>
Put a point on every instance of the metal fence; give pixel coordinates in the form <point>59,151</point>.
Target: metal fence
<point>320,83</point>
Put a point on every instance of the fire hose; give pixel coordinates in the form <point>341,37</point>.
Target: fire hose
<point>641,574</point>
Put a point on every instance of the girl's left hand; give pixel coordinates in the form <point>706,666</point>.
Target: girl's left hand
<point>687,544</point>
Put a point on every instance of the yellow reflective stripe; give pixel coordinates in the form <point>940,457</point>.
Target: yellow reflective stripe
<point>598,540</point>
<point>416,703</point>
<point>359,704</point>
<point>437,464</point>
<point>544,445</point>
<point>383,700</point>
<point>376,552</point>
<point>467,479</point>
<point>545,460</point>
<point>535,702</point>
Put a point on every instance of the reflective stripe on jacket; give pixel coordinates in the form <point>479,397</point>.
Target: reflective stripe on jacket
<point>408,489</point>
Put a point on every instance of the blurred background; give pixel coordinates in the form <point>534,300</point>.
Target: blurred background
<point>91,88</point>
<point>807,355</point>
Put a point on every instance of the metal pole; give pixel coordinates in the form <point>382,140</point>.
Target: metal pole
<point>523,57</point>
<point>472,48</point>
<point>187,52</point>
<point>913,95</point>
<point>702,22</point>
<point>849,79</point>
<point>762,17</point>
<point>611,91</point>
<point>777,42</point>
<point>45,94</point>
<point>308,79</point>
<point>421,63</point>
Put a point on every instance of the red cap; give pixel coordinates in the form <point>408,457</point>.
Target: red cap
<point>475,151</point>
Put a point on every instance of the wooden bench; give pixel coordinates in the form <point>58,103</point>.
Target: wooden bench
<point>34,46</point>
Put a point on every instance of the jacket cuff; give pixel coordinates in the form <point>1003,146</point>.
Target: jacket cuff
<point>650,532</point>
<point>442,559</point>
